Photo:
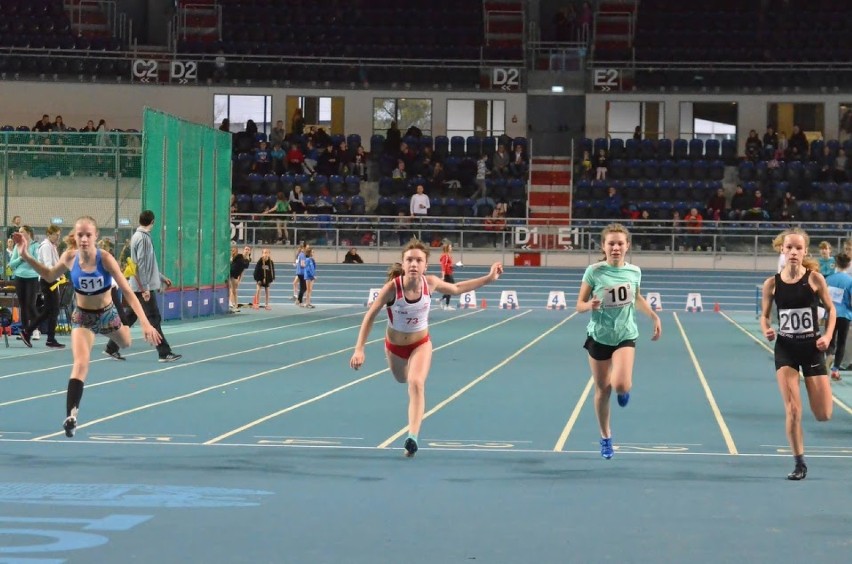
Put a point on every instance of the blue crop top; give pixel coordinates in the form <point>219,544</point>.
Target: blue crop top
<point>90,283</point>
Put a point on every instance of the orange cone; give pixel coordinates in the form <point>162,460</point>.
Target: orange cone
<point>484,305</point>
<point>716,307</point>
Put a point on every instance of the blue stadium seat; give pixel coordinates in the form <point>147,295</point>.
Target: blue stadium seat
<point>631,149</point>
<point>377,144</point>
<point>255,183</point>
<point>354,141</point>
<point>489,145</point>
<point>616,148</point>
<point>729,151</point>
<point>680,149</point>
<point>385,206</point>
<point>601,144</point>
<point>684,169</point>
<point>457,146</point>
<point>353,185</point>
<point>271,185</point>
<point>696,149</point>
<point>358,205</point>
<point>617,169</point>
<point>474,146</point>
<point>712,149</point>
<point>258,203</point>
<point>664,149</point>
<point>651,169</point>
<point>442,146</point>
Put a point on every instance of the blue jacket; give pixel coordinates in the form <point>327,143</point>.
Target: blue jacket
<point>310,268</point>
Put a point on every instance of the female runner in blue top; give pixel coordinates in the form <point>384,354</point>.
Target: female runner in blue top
<point>610,290</point>
<point>91,272</point>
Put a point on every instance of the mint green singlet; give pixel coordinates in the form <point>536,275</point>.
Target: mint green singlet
<point>616,287</point>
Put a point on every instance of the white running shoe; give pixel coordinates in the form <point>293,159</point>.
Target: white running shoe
<point>36,335</point>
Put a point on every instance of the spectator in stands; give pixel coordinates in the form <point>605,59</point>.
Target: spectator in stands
<point>59,125</point>
<point>277,155</point>
<point>15,227</point>
<point>311,157</point>
<point>43,125</point>
<point>783,145</point>
<point>637,133</point>
<point>352,257</point>
<point>840,166</point>
<point>798,142</point>
<point>393,138</point>
<point>482,173</point>
<point>789,208</point>
<point>753,146</point>
<point>359,166</point>
<point>278,134</point>
<point>297,123</point>
<point>739,204</point>
<point>518,166</point>
<point>586,166</point>
<point>716,205</point>
<point>328,163</point>
<point>281,209</point>
<point>262,159</point>
<point>500,162</point>
<point>826,165</point>
<point>399,172</point>
<point>757,211</point>
<point>297,200</point>
<point>601,164</point>
<point>225,126</point>
<point>612,204</point>
<point>694,226</point>
<point>296,160</point>
<point>419,204</point>
<point>770,138</point>
<point>251,129</point>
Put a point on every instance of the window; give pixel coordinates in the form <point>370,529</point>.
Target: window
<point>316,110</point>
<point>406,112</point>
<point>239,109</point>
<point>476,117</point>
<point>708,120</point>
<point>622,119</point>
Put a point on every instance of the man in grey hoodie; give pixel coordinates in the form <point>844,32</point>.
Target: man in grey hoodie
<point>145,284</point>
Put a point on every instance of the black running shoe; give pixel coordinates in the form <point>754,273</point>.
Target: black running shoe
<point>114,355</point>
<point>798,473</point>
<point>70,425</point>
<point>55,345</point>
<point>171,357</point>
<point>410,447</point>
<point>25,337</point>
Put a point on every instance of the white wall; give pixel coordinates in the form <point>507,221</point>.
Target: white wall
<point>751,110</point>
<point>121,104</point>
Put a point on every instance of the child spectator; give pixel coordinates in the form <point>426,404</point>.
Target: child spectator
<point>826,261</point>
<point>264,275</point>
<point>310,276</point>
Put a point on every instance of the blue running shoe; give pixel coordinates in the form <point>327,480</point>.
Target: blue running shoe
<point>623,399</point>
<point>410,447</point>
<point>606,448</point>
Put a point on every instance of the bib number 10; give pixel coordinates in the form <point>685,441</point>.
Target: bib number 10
<point>618,296</point>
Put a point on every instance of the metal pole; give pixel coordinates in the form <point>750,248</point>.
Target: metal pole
<point>179,222</point>
<point>200,245</point>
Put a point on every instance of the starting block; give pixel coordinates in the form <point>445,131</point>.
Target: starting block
<point>556,300</point>
<point>655,301</point>
<point>509,299</point>
<point>467,300</point>
<point>693,302</point>
<point>372,296</point>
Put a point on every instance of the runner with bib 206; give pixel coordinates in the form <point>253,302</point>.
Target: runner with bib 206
<point>798,291</point>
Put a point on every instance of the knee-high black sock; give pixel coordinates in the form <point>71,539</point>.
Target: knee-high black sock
<point>75,394</point>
